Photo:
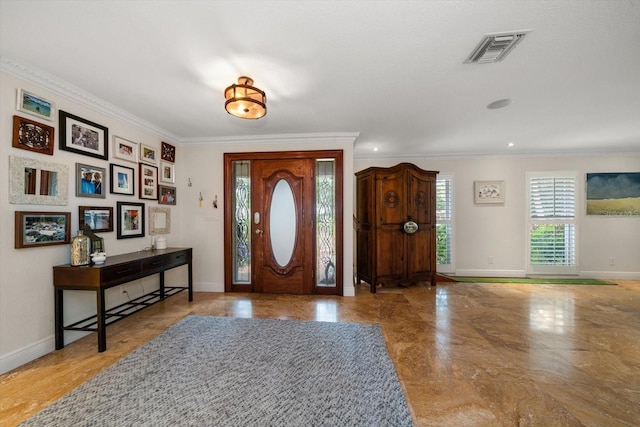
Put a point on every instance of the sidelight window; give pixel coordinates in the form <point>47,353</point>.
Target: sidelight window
<point>325,223</point>
<point>242,225</point>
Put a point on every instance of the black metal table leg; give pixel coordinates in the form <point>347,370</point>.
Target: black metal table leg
<point>190,270</point>
<point>102,324</point>
<point>59,303</point>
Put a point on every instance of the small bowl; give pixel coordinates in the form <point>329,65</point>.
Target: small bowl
<point>99,258</point>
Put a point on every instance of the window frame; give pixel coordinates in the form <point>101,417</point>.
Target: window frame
<point>447,268</point>
<point>555,269</point>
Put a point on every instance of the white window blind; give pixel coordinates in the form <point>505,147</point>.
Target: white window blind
<point>444,217</point>
<point>552,221</point>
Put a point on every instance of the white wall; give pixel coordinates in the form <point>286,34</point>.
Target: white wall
<point>26,290</point>
<point>203,226</point>
<point>498,231</point>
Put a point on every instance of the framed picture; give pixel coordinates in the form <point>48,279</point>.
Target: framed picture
<point>148,177</point>
<point>122,180</point>
<point>613,193</point>
<point>167,172</point>
<point>148,154</point>
<point>159,220</point>
<point>83,137</point>
<point>89,181</point>
<point>168,152</point>
<point>489,191</point>
<point>35,182</point>
<point>99,219</point>
<point>36,105</point>
<point>166,195</point>
<point>125,149</point>
<point>130,220</point>
<point>42,229</point>
<point>32,136</point>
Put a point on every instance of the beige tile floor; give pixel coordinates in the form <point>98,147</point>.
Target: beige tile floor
<point>466,354</point>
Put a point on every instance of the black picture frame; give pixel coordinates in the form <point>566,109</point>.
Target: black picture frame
<point>82,136</point>
<point>98,218</point>
<point>123,180</point>
<point>130,220</point>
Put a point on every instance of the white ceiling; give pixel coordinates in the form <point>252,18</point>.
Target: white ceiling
<point>391,70</point>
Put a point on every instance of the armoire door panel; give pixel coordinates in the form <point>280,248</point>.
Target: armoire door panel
<point>389,244</point>
<point>419,206</point>
<point>419,252</point>
<point>391,199</point>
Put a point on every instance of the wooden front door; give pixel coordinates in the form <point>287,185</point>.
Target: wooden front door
<point>283,202</point>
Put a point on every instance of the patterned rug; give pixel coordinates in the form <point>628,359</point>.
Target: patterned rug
<point>217,371</point>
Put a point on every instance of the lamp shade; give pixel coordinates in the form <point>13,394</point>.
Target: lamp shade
<point>245,100</point>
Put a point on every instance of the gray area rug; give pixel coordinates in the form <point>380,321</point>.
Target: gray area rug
<point>217,371</point>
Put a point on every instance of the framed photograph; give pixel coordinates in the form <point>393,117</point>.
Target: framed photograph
<point>159,220</point>
<point>613,193</point>
<point>42,229</point>
<point>36,105</point>
<point>125,149</point>
<point>489,191</point>
<point>32,136</point>
<point>167,172</point>
<point>148,178</point>
<point>99,219</point>
<point>83,137</point>
<point>166,195</point>
<point>148,154</point>
<point>168,152</point>
<point>130,220</point>
<point>122,180</point>
<point>35,182</point>
<point>89,181</point>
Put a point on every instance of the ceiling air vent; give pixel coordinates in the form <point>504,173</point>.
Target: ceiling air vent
<point>494,47</point>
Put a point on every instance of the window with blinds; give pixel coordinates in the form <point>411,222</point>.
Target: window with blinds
<point>552,222</point>
<point>444,222</point>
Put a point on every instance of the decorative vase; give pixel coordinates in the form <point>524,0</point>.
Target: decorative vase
<point>80,250</point>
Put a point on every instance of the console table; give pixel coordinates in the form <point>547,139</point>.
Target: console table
<point>116,270</point>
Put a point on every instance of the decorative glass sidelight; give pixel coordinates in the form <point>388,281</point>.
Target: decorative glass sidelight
<point>325,223</point>
<point>242,222</point>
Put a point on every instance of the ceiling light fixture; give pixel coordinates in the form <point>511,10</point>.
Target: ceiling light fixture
<point>245,100</point>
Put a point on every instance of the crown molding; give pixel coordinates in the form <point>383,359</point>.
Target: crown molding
<point>67,90</point>
<point>343,138</point>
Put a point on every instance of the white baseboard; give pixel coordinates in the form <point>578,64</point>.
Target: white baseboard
<point>33,351</point>
<point>611,275</point>
<point>490,273</point>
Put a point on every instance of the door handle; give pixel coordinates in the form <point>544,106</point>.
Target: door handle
<point>258,231</point>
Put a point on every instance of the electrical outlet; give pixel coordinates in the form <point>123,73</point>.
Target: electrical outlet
<point>490,260</point>
<point>612,261</point>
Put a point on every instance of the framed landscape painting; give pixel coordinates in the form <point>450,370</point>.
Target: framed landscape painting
<point>613,193</point>
<point>42,229</point>
<point>35,105</point>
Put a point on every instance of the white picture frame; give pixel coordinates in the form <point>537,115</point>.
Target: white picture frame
<point>167,172</point>
<point>125,149</point>
<point>488,192</point>
<point>148,154</point>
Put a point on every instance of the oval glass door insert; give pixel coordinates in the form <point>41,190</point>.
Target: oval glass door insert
<point>282,215</point>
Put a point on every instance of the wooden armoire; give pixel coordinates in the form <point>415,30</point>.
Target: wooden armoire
<point>395,225</point>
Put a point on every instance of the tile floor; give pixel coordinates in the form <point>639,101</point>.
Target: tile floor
<point>466,354</point>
